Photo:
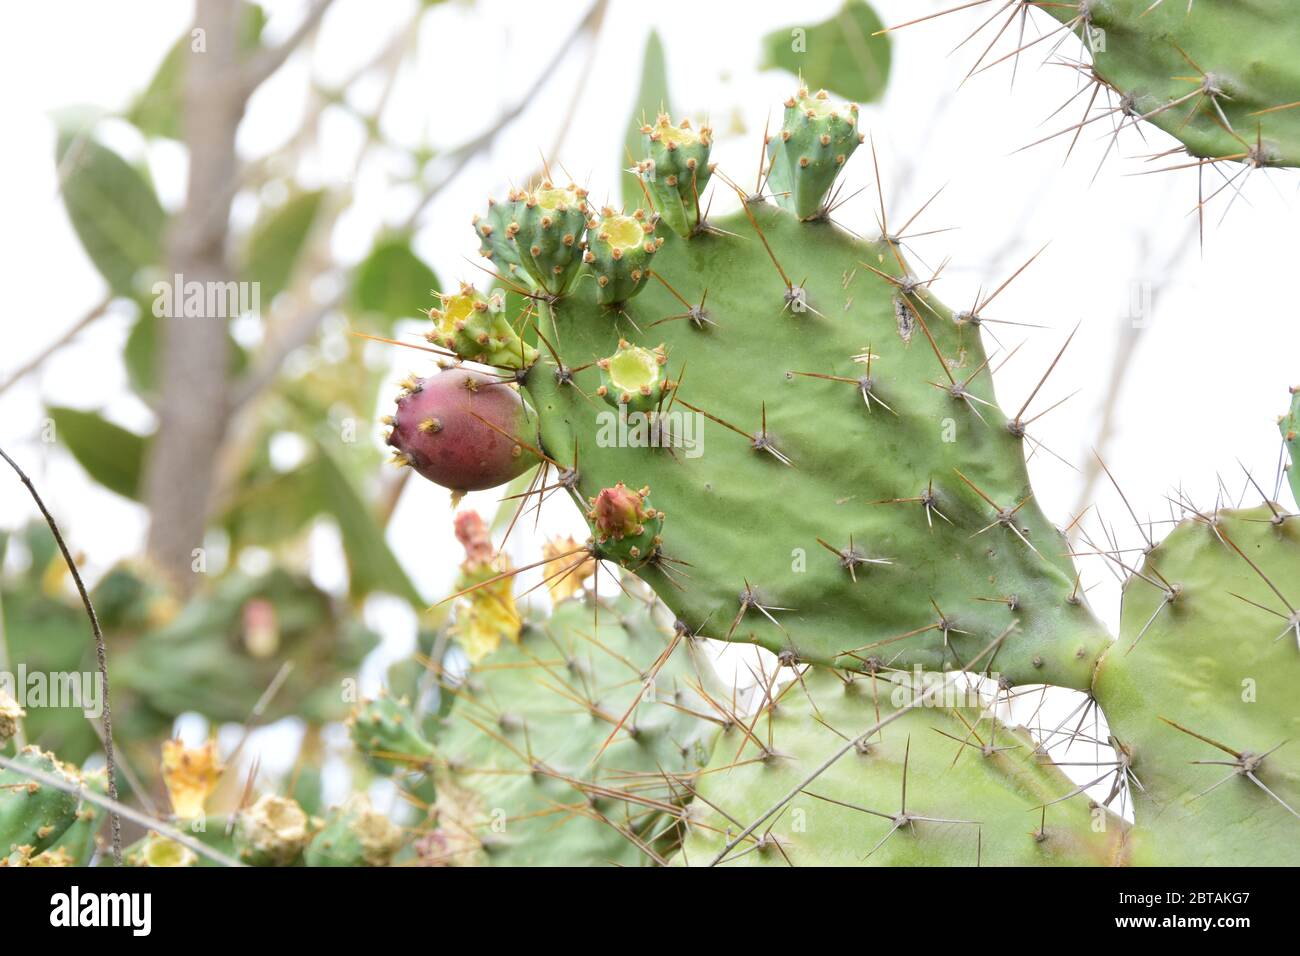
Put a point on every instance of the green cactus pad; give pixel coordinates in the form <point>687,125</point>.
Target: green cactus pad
<point>1222,77</point>
<point>1207,644</point>
<point>387,733</point>
<point>852,496</point>
<point>526,780</point>
<point>676,171</point>
<point>977,792</point>
<point>1290,426</point>
<point>77,844</point>
<point>816,139</point>
<point>35,814</point>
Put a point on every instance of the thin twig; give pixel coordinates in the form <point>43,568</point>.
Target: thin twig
<point>101,651</point>
<point>461,156</point>
<point>1126,346</point>
<point>259,709</point>
<point>37,360</point>
<point>259,69</point>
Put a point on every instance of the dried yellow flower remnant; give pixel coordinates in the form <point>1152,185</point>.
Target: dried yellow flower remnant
<point>559,559</point>
<point>488,613</point>
<point>191,774</point>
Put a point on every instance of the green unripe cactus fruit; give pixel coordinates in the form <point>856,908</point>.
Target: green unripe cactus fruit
<point>386,732</point>
<point>625,525</point>
<point>816,139</point>
<point>272,832</point>
<point>619,251</point>
<point>1200,693</point>
<point>1290,426</point>
<point>1221,76</point>
<point>35,814</point>
<point>568,747</point>
<point>495,243</point>
<point>155,850</point>
<point>475,328</point>
<point>547,233</point>
<point>676,171</point>
<point>976,791</point>
<point>635,377</point>
<point>355,834</point>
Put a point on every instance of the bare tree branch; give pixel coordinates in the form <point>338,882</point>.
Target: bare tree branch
<point>460,157</point>
<point>259,69</point>
<point>298,333</point>
<point>37,360</point>
<point>193,408</point>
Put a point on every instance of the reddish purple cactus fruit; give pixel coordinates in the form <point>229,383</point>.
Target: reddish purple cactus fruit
<point>463,430</point>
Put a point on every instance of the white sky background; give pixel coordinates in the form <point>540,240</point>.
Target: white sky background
<point>1206,385</point>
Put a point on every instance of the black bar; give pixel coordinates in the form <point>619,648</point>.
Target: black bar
<point>304,905</point>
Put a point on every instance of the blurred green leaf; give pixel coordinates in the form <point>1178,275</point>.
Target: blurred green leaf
<point>41,550</point>
<point>111,455</point>
<point>392,282</point>
<point>651,99</point>
<point>839,55</point>
<point>113,209</point>
<point>276,242</point>
<point>158,110</point>
<point>48,636</point>
<point>372,565</point>
<point>271,508</point>
<point>141,353</point>
<point>210,657</point>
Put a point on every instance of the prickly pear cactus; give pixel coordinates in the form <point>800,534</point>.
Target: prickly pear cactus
<point>355,834</point>
<point>1290,426</point>
<point>941,785</point>
<point>1218,75</point>
<point>77,844</point>
<point>567,747</point>
<point>852,489</point>
<point>1200,692</point>
<point>387,734</point>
